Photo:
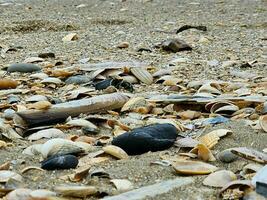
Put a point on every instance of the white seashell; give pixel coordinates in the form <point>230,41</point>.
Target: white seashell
<point>33,150</point>
<point>60,146</point>
<point>36,98</point>
<point>122,185</point>
<point>81,123</point>
<point>76,191</point>
<point>51,80</point>
<point>39,76</point>
<point>5,175</point>
<point>36,194</point>
<point>115,151</point>
<point>219,178</point>
<point>47,133</point>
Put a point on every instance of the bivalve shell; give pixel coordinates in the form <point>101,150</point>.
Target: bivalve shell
<point>5,175</point>
<point>115,151</point>
<point>219,178</point>
<point>263,122</point>
<point>143,75</point>
<point>47,133</point>
<point>76,191</point>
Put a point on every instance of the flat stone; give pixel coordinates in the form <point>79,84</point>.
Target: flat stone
<point>152,190</point>
<point>79,79</point>
<point>23,67</point>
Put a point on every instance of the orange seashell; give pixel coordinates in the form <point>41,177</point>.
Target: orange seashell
<point>203,153</point>
<point>41,105</point>
<point>8,84</point>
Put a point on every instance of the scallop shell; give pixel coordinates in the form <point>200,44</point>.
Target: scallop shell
<point>143,75</point>
<point>212,138</point>
<point>60,146</point>
<point>187,167</point>
<point>115,151</point>
<point>47,133</point>
<point>263,122</point>
<point>219,178</point>
<point>76,191</point>
<point>250,154</point>
<point>203,153</point>
<point>134,103</point>
<point>5,175</point>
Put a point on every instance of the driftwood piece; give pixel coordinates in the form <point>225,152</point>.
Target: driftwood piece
<point>59,112</point>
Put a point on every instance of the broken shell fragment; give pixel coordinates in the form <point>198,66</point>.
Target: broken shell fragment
<point>186,142</point>
<point>263,122</point>
<point>134,104</point>
<point>115,151</point>
<point>42,194</point>
<point>251,168</point>
<point>36,98</point>
<point>60,162</point>
<point>240,184</point>
<point>76,191</point>
<point>219,178</point>
<point>5,175</point>
<point>203,153</point>
<point>19,194</point>
<point>8,84</point>
<point>32,150</point>
<point>70,37</point>
<point>143,75</point>
<point>82,123</point>
<point>122,185</point>
<point>188,167</point>
<point>40,105</point>
<point>175,45</point>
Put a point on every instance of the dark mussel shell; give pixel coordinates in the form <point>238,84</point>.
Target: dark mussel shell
<point>60,162</point>
<point>155,137</point>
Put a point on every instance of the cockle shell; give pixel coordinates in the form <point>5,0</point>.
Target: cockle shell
<point>143,75</point>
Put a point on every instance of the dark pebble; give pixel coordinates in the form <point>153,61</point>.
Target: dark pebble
<point>175,45</point>
<point>60,162</point>
<point>47,55</point>
<point>23,68</point>
<point>155,137</point>
<point>89,130</point>
<point>79,79</point>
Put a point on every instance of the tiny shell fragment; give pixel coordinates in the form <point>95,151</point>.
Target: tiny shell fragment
<point>122,185</point>
<point>70,37</point>
<point>115,151</point>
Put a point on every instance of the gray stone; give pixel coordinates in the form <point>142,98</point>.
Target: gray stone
<point>23,67</point>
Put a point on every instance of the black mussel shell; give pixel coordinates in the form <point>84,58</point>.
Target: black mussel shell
<point>60,162</point>
<point>155,137</point>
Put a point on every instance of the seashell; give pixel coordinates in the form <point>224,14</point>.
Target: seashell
<point>40,105</point>
<point>51,80</point>
<point>203,153</point>
<point>115,151</point>
<point>157,111</point>
<point>19,194</point>
<point>207,88</point>
<point>5,175</point>
<point>86,139</point>
<point>188,167</point>
<point>26,169</point>
<point>227,156</point>
<point>8,84</point>
<point>263,122</point>
<point>59,73</point>
<point>33,150</point>
<point>240,184</point>
<point>134,103</point>
<point>5,166</point>
<point>81,123</point>
<point>33,60</point>
<point>162,72</point>
<point>251,168</point>
<point>36,98</point>
<point>169,80</point>
<point>3,144</point>
<point>212,138</point>
<point>41,193</point>
<point>223,108</point>
<point>46,55</point>
<point>60,146</point>
<point>60,162</point>
<point>39,76</point>
<point>148,138</point>
<point>130,79</point>
<point>85,146</point>
<point>122,185</point>
<point>175,45</point>
<point>219,178</point>
<point>76,191</point>
<point>23,68</point>
<point>78,79</point>
<point>242,92</point>
<point>143,75</point>
<point>70,37</point>
<point>189,114</point>
<point>13,99</point>
<point>47,133</point>
<point>250,154</point>
<point>123,45</point>
<point>186,142</point>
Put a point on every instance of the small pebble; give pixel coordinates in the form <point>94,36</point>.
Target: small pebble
<point>23,68</point>
<point>9,114</point>
<point>227,156</point>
